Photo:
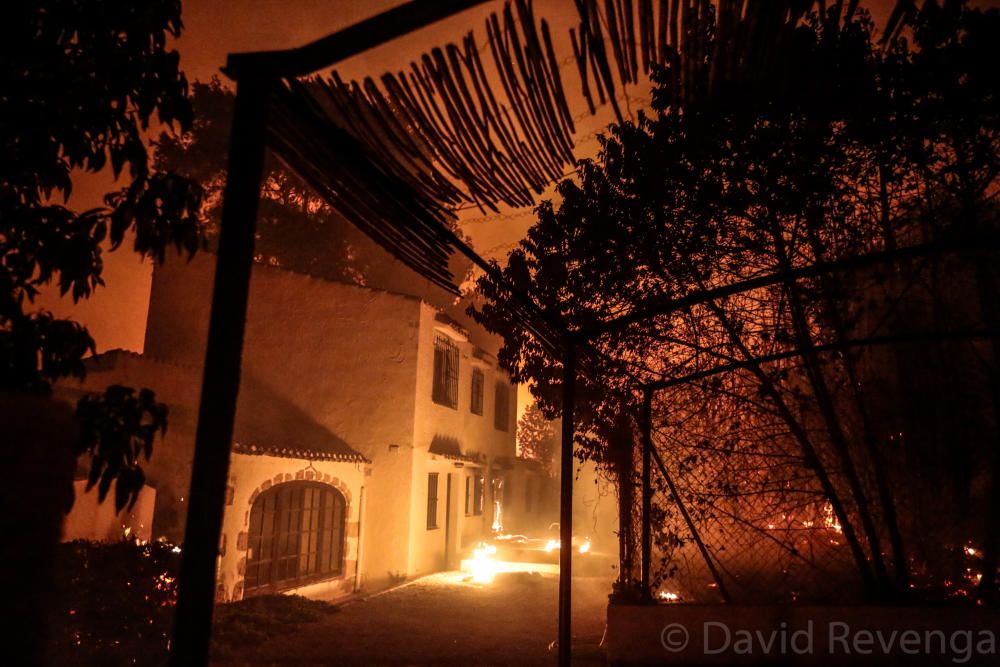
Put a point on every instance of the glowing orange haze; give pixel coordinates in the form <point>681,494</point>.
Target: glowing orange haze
<point>116,314</point>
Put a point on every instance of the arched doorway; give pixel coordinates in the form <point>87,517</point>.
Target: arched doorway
<point>296,537</point>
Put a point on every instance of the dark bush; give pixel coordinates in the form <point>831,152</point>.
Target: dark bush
<point>113,603</point>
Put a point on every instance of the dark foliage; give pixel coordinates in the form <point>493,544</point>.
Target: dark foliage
<point>536,437</point>
<point>113,603</point>
<point>83,82</point>
<point>296,229</point>
<point>117,431</point>
<point>853,148</point>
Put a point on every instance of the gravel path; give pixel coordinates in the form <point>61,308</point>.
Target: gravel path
<point>445,619</point>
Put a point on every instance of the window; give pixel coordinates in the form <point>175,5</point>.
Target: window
<point>501,406</point>
<point>445,372</point>
<point>477,497</point>
<point>468,495</point>
<point>478,381</point>
<point>432,501</point>
<point>296,537</point>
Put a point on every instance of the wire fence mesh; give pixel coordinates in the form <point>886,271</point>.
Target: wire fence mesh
<point>768,546</point>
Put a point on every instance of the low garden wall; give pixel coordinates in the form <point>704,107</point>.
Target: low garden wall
<point>681,634</point>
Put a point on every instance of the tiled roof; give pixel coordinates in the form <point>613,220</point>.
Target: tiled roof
<point>460,457</point>
<point>305,453</point>
<point>450,448</point>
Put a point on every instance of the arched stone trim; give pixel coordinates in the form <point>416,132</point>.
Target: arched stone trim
<point>305,474</point>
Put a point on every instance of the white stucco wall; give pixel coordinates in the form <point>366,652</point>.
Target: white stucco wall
<point>90,519</point>
<point>325,357</point>
<point>345,357</point>
<point>476,435</point>
<point>341,356</point>
<point>169,471</point>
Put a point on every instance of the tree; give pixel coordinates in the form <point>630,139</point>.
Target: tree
<point>296,229</point>
<point>84,82</point>
<point>536,437</point>
<point>776,388</point>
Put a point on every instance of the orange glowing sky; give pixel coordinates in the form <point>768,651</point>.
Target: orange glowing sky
<point>116,314</point>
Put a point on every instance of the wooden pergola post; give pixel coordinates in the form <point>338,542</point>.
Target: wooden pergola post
<point>221,379</point>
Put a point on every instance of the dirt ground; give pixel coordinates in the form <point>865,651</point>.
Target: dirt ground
<point>446,619</point>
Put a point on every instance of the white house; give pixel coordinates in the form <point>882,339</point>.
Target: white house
<point>374,440</point>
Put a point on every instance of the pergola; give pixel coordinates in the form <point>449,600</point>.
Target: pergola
<point>397,197</point>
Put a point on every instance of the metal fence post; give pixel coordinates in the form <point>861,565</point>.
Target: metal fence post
<point>566,509</point>
<point>647,493</point>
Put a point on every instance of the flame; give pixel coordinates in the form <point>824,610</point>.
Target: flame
<point>555,545</point>
<point>830,520</point>
<point>484,565</point>
<point>508,537</point>
<point>497,526</point>
<point>669,597</point>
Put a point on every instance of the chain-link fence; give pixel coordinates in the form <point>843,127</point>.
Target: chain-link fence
<point>735,527</point>
<point>735,513</point>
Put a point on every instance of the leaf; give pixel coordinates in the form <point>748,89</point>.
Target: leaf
<point>105,485</point>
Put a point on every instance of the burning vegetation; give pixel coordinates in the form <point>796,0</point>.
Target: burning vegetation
<point>802,281</point>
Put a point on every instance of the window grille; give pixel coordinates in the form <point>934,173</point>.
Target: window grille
<point>445,372</point>
<point>478,384</point>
